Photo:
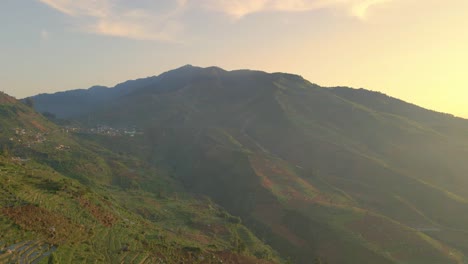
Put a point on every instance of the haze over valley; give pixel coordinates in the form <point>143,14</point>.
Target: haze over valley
<point>308,132</point>
<point>338,174</point>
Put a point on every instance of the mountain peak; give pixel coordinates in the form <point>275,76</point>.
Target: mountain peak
<point>187,66</point>
<point>198,68</point>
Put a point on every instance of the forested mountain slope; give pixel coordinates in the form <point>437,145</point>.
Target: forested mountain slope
<point>67,199</point>
<point>342,175</point>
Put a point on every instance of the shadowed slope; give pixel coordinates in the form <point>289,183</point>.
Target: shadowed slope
<point>348,177</point>
<point>66,199</point>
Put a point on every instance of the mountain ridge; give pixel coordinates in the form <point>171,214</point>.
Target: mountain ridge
<point>318,172</point>
<point>145,81</point>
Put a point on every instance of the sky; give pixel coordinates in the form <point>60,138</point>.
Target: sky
<point>415,50</point>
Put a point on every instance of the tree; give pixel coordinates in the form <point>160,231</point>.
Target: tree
<point>52,259</point>
<point>49,115</point>
<point>319,260</point>
<point>241,246</point>
<point>29,102</point>
<point>6,151</point>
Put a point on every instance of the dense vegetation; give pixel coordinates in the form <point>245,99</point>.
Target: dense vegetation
<point>66,199</point>
<point>333,175</point>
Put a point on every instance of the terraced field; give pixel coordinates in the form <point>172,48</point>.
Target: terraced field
<point>46,217</point>
<point>65,199</point>
<point>26,252</point>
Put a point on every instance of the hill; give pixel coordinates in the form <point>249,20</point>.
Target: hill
<point>337,174</point>
<point>78,102</point>
<point>65,199</point>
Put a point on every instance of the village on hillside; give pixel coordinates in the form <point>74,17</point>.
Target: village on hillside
<point>104,130</point>
<point>31,137</point>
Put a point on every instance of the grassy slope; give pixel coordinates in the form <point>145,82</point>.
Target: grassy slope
<point>338,163</point>
<point>350,177</point>
<point>306,215</point>
<point>80,202</point>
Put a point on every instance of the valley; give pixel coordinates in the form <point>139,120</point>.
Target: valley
<point>67,200</point>
<point>204,165</point>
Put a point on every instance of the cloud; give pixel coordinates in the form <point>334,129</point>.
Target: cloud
<point>241,8</point>
<point>93,8</point>
<point>143,19</point>
<point>361,9</point>
<point>162,19</point>
<point>138,24</point>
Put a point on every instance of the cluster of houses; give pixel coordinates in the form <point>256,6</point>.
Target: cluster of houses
<point>104,130</point>
<point>62,147</point>
<point>28,138</point>
<point>19,159</point>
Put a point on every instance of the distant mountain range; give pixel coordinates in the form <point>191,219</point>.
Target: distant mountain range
<point>334,175</point>
<point>76,102</point>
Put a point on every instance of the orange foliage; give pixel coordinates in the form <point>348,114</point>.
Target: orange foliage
<point>101,214</point>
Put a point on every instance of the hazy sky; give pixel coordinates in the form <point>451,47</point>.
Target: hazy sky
<point>416,50</point>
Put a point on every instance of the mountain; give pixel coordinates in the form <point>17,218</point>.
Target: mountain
<point>332,174</point>
<point>66,199</point>
<point>78,102</point>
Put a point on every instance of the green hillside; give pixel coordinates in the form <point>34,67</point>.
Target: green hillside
<point>317,172</point>
<point>66,199</point>
<point>335,175</point>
